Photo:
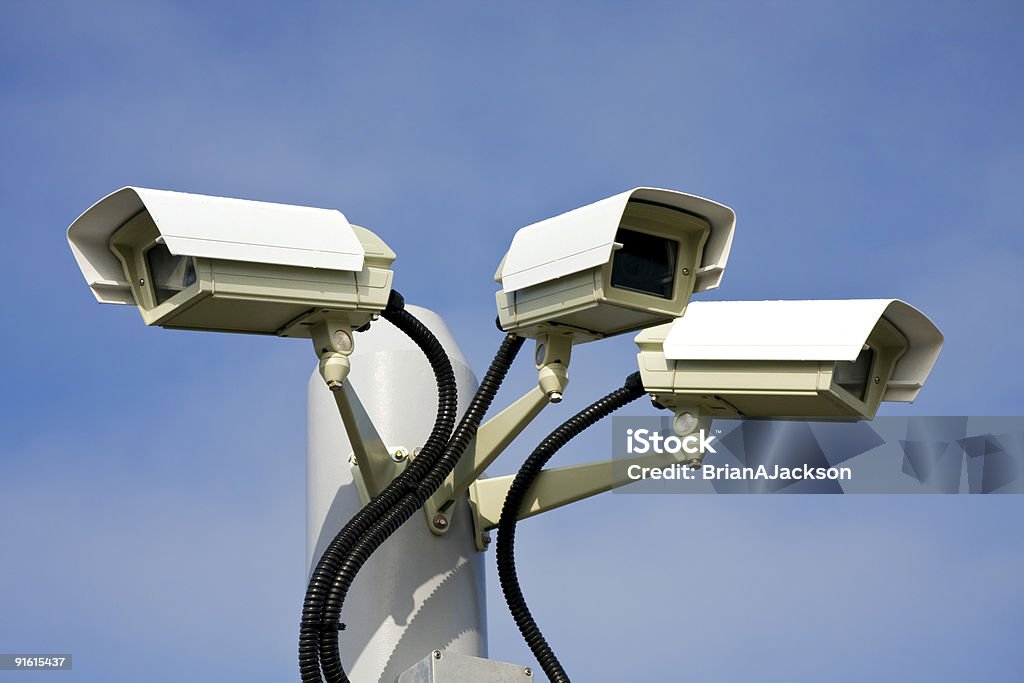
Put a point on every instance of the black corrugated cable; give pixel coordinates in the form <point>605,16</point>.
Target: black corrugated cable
<point>524,479</point>
<point>330,658</point>
<point>327,567</point>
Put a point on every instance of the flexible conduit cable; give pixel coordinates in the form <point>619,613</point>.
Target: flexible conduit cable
<point>330,656</point>
<point>520,487</point>
<point>321,578</point>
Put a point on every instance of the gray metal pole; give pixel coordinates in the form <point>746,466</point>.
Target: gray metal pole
<point>419,592</point>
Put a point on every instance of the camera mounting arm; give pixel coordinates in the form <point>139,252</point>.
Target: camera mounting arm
<point>557,487</point>
<point>494,436</point>
<point>375,467</point>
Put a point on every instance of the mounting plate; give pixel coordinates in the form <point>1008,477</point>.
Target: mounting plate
<point>449,667</point>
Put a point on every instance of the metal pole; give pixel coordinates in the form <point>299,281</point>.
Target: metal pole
<point>419,592</point>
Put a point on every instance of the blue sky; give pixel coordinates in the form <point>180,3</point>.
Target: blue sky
<point>869,150</point>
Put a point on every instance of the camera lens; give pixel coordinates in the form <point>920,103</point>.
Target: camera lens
<point>645,264</point>
<point>169,274</point>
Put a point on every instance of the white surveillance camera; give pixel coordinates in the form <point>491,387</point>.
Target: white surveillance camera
<point>619,265</point>
<point>195,262</point>
<point>816,360</point>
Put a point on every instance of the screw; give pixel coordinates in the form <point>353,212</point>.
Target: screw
<point>437,654</point>
<point>399,454</point>
<point>142,281</point>
<point>693,463</point>
<point>686,271</point>
<point>528,671</point>
<point>440,521</point>
<point>485,539</point>
<point>555,397</point>
<point>878,380</point>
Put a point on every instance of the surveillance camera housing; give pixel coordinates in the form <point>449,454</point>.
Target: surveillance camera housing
<point>195,262</point>
<point>816,360</point>
<point>619,265</point>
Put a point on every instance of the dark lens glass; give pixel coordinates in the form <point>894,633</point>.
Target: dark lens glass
<point>854,376</point>
<point>645,264</point>
<point>169,273</point>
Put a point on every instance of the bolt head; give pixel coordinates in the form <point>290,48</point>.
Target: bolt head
<point>528,671</point>
<point>440,521</point>
<point>437,654</point>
